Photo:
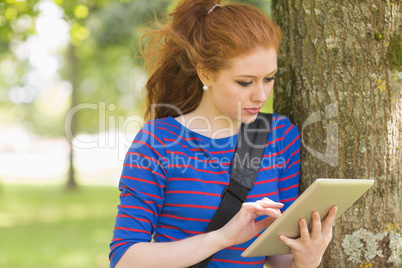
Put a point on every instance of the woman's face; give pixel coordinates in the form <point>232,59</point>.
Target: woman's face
<point>240,91</point>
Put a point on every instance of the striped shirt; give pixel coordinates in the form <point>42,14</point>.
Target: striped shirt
<point>173,178</point>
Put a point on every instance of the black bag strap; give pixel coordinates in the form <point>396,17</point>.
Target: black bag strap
<point>245,165</point>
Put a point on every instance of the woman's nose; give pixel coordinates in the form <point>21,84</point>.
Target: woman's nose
<point>260,93</point>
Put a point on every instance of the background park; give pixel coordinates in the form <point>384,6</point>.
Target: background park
<point>71,102</point>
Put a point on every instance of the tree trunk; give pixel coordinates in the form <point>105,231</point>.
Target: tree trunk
<point>73,67</point>
<point>340,82</point>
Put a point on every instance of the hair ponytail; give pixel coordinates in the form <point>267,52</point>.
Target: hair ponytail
<point>196,37</point>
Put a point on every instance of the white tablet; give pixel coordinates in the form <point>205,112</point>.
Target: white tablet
<point>320,196</point>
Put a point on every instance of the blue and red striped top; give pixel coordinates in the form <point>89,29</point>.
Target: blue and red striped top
<point>173,178</point>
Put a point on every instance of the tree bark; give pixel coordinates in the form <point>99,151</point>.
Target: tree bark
<point>340,82</point>
<point>73,67</point>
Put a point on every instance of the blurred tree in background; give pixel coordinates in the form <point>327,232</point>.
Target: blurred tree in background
<point>71,67</point>
<point>101,62</point>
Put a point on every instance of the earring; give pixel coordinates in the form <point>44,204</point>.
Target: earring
<point>205,87</point>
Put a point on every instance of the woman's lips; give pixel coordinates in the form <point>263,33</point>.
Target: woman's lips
<point>253,110</point>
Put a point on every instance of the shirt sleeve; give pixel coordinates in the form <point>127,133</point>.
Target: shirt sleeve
<point>142,184</point>
<point>288,184</point>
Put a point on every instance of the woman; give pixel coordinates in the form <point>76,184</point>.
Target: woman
<point>212,68</point>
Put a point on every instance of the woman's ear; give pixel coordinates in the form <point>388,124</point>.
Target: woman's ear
<point>205,75</point>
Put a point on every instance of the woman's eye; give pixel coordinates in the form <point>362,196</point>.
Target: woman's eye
<point>244,84</point>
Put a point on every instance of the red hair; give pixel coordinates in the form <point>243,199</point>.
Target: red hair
<point>193,37</point>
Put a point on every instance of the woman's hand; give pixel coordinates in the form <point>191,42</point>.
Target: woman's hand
<point>242,227</point>
<point>309,248</point>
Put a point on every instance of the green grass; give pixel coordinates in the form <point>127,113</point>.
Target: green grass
<point>44,226</point>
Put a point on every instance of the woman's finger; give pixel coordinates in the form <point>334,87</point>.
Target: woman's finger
<point>264,224</point>
<point>252,207</point>
<point>261,205</point>
<point>269,212</point>
<point>316,231</point>
<point>288,241</point>
<point>327,223</point>
<point>304,234</point>
<point>269,203</point>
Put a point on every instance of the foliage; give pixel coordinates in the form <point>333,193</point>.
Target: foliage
<point>16,21</point>
<point>104,34</point>
<point>106,41</point>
